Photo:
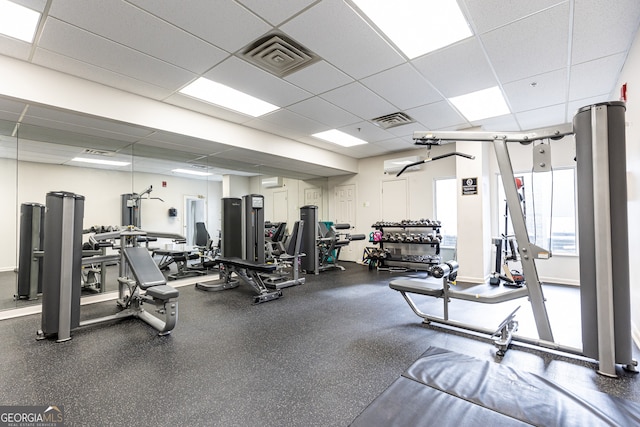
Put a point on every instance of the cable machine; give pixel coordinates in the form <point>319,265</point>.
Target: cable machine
<point>604,259</point>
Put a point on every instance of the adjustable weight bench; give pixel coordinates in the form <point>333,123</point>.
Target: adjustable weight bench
<point>148,277</point>
<point>248,271</point>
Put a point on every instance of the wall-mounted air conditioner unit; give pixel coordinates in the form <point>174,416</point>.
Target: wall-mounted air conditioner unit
<point>272,182</point>
<point>394,166</point>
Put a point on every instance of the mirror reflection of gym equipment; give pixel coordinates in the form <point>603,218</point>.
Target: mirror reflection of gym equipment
<point>322,241</point>
<point>243,249</point>
<point>62,274</point>
<point>604,257</point>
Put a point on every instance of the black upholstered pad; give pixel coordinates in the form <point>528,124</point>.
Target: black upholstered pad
<point>144,269</point>
<point>162,292</point>
<point>428,287</point>
<point>520,396</point>
<point>249,265</point>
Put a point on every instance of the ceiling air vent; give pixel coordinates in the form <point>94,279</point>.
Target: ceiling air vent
<point>94,152</point>
<point>392,120</point>
<point>278,54</point>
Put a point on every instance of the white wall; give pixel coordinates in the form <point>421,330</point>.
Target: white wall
<point>102,189</point>
<point>631,75</point>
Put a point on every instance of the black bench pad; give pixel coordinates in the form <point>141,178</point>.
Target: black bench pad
<point>418,286</point>
<point>163,292</point>
<point>249,265</point>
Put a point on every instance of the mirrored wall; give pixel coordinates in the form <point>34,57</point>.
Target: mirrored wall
<point>173,188</point>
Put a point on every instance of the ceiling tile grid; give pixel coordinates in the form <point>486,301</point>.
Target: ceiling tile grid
<point>530,46</point>
<point>335,32</point>
<point>276,12</point>
<point>549,57</point>
<point>225,24</point>
<point>458,69</point>
<point>132,27</point>
<point>84,46</point>
<point>402,86</point>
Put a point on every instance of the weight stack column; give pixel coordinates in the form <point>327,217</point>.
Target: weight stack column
<point>62,264</point>
<point>253,227</point>
<point>603,234</point>
<point>31,239</point>
<point>231,233</point>
<point>309,263</point>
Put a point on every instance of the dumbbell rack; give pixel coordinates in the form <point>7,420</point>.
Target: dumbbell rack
<point>397,248</point>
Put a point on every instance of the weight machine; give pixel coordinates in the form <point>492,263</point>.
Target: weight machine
<point>604,259</point>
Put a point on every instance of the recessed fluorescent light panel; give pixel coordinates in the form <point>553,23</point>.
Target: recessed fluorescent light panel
<point>481,104</point>
<point>224,96</point>
<point>18,21</point>
<point>417,27</point>
<point>340,138</point>
<point>191,172</point>
<point>99,161</point>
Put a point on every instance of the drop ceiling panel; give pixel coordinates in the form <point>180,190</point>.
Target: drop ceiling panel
<point>188,142</point>
<point>396,144</point>
<point>14,48</point>
<point>537,91</point>
<point>360,101</point>
<point>542,117</point>
<point>225,24</point>
<point>534,45</point>
<point>11,106</point>
<point>276,11</point>
<point>600,30</point>
<point>319,77</point>
<point>324,112</point>
<point>366,131</point>
<point>139,30</point>
<point>458,69</point>
<point>403,86</point>
<point>73,42</point>
<point>97,74</point>
<point>37,133</point>
<point>437,116</point>
<point>583,83</point>
<point>249,79</point>
<point>489,14</point>
<point>86,124</point>
<point>506,123</point>
<point>343,39</point>
<point>296,122</point>
<point>406,130</point>
<point>151,146</point>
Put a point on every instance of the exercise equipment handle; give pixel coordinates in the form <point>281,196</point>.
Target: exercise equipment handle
<point>442,156</point>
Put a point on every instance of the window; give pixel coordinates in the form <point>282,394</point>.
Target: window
<point>446,210</point>
<point>549,205</point>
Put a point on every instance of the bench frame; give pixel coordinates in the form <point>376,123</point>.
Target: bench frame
<point>248,272</point>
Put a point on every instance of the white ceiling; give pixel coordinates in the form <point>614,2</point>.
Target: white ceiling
<point>572,50</point>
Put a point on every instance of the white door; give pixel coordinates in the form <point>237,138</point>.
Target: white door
<point>394,200</point>
<point>313,197</point>
<point>280,206</point>
<point>194,211</point>
<point>346,208</point>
